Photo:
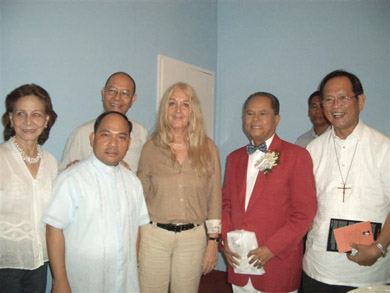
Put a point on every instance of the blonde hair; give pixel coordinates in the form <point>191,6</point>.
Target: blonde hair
<point>196,138</point>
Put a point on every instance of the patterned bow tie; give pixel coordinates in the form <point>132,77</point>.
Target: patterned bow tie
<point>250,148</point>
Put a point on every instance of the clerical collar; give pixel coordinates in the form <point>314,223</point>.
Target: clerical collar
<point>101,166</point>
<point>357,132</point>
<point>267,142</point>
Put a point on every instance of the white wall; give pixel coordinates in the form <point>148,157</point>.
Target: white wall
<point>71,47</point>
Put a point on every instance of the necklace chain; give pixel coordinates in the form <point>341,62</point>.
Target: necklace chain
<point>349,169</point>
<point>26,158</point>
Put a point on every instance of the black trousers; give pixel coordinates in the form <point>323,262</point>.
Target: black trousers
<point>18,281</point>
<point>313,286</point>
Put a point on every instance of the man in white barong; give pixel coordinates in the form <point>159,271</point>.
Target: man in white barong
<point>93,220</point>
<point>351,167</point>
<point>118,94</point>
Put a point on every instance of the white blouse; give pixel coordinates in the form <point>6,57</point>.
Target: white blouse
<point>23,200</point>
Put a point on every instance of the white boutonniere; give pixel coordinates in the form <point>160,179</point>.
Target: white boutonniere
<point>268,161</point>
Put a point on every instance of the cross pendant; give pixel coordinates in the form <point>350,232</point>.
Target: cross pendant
<point>344,188</point>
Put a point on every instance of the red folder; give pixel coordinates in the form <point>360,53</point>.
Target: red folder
<point>360,233</point>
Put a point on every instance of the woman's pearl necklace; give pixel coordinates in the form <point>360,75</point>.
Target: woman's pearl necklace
<point>26,158</point>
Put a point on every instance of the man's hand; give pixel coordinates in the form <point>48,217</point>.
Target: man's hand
<point>125,165</point>
<point>56,249</point>
<point>72,163</point>
<point>230,255</point>
<point>260,256</point>
<point>366,255</point>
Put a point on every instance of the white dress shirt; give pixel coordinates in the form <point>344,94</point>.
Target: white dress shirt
<point>252,171</point>
<point>307,137</point>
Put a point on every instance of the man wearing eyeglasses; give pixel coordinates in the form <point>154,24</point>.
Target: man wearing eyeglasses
<point>119,95</point>
<point>351,169</point>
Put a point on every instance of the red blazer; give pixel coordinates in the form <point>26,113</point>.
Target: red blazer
<point>280,211</point>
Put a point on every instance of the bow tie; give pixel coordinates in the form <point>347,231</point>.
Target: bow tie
<point>250,148</point>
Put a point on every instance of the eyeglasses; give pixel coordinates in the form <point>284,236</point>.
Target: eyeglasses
<point>262,115</point>
<point>342,100</point>
<point>124,94</point>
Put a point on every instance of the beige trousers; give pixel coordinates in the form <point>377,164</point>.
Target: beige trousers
<point>169,260</point>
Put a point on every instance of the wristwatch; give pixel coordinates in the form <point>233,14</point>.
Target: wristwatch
<point>381,248</point>
<point>216,239</point>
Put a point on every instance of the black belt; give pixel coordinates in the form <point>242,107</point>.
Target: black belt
<point>175,228</point>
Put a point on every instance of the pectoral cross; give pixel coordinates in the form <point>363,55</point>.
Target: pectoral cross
<point>344,188</point>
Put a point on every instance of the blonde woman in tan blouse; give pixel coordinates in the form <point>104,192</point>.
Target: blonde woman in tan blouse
<point>180,173</point>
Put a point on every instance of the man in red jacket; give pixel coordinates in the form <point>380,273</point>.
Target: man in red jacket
<point>269,190</point>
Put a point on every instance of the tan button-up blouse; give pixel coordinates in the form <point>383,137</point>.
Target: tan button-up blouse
<point>179,194</point>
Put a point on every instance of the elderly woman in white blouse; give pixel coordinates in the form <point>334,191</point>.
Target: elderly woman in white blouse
<point>26,176</point>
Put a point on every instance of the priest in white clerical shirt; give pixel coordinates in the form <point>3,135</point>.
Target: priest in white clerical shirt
<point>351,164</point>
<point>93,219</point>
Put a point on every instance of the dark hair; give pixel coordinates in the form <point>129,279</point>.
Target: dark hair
<point>120,72</point>
<point>274,101</point>
<point>357,87</point>
<point>104,114</point>
<point>23,91</point>
<point>312,96</point>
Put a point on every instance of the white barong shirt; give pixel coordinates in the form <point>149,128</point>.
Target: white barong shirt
<point>367,200</point>
<point>99,209</point>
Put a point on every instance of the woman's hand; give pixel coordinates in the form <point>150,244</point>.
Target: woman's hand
<point>210,257</point>
<point>61,287</point>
